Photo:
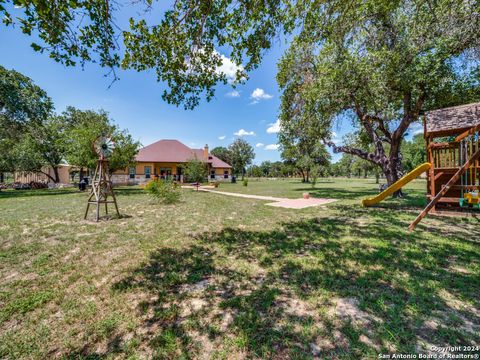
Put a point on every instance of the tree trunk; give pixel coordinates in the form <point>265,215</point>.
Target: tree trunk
<point>390,168</point>
<point>2,177</point>
<point>57,176</point>
<point>303,175</point>
<point>81,175</point>
<point>308,176</point>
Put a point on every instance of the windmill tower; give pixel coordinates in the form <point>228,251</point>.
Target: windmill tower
<point>102,189</point>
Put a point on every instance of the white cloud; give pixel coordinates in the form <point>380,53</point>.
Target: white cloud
<point>259,94</point>
<point>229,68</point>
<point>274,127</point>
<point>243,132</point>
<point>260,145</point>
<point>272,147</point>
<point>334,134</point>
<point>233,94</point>
<point>222,137</point>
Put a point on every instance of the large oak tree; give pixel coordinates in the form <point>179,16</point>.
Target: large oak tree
<point>380,62</point>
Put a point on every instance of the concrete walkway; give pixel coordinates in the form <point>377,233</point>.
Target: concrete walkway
<point>278,202</point>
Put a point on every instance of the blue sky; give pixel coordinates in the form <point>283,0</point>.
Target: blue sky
<point>135,103</point>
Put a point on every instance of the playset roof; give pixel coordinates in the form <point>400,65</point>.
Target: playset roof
<point>452,119</point>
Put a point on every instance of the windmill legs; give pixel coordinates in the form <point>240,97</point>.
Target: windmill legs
<point>101,189</point>
<point>86,212</point>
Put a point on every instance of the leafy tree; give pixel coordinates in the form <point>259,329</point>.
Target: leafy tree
<point>43,146</point>
<point>254,171</point>
<point>303,158</point>
<point>22,104</point>
<point>242,155</point>
<point>196,170</point>
<point>315,173</point>
<point>125,150</point>
<point>343,167</point>
<point>87,126</point>
<point>414,153</point>
<point>301,126</point>
<point>382,65</point>
<point>21,101</point>
<point>266,168</point>
<point>181,47</point>
<point>222,153</point>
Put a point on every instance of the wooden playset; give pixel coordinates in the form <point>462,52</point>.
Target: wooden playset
<point>453,151</point>
<point>453,171</point>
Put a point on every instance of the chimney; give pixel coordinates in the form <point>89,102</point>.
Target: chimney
<point>205,152</point>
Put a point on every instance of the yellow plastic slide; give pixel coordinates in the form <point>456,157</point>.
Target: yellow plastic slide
<point>397,185</point>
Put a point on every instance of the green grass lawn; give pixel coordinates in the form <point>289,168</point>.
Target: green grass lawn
<point>222,277</point>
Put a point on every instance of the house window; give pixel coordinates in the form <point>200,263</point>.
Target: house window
<point>212,174</point>
<point>148,171</point>
<point>225,174</point>
<point>131,171</point>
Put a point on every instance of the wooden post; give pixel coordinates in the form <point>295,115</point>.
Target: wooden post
<point>443,191</point>
<point>431,172</point>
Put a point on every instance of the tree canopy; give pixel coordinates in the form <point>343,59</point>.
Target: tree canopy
<point>241,155</point>
<point>182,46</point>
<point>87,125</point>
<point>22,105</point>
<point>380,65</point>
<point>32,137</point>
<point>222,153</point>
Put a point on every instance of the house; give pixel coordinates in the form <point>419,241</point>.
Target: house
<point>166,159</point>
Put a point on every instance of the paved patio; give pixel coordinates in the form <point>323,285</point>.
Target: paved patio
<point>277,202</point>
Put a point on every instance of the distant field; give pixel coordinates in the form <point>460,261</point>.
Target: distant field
<point>223,277</point>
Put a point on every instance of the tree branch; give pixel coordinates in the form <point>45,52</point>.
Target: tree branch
<point>46,174</point>
<point>373,158</point>
<point>410,115</point>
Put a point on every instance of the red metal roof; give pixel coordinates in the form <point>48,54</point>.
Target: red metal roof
<point>175,152</point>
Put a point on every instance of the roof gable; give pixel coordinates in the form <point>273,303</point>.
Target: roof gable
<point>173,151</point>
<point>165,151</point>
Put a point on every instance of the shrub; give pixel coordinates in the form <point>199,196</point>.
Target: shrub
<point>315,173</point>
<point>163,191</point>
<point>195,171</point>
<point>245,182</point>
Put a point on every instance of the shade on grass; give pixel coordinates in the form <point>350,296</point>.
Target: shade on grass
<point>225,277</point>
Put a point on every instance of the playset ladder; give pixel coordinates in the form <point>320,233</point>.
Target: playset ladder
<point>444,189</point>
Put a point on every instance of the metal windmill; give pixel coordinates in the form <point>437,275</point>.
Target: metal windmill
<point>102,187</point>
